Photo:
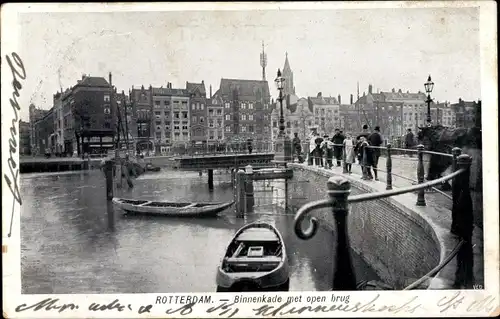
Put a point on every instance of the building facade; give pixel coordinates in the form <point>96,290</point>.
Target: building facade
<point>215,119</point>
<point>24,138</point>
<point>326,113</point>
<point>467,114</point>
<point>247,110</point>
<point>44,128</point>
<point>35,114</point>
<point>198,114</point>
<point>142,116</point>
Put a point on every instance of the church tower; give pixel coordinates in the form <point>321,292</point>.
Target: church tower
<point>263,62</point>
<point>288,75</point>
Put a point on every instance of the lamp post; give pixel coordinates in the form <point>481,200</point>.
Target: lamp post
<point>429,85</point>
<point>283,146</point>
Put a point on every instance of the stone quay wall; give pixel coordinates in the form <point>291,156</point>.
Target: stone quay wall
<point>397,242</point>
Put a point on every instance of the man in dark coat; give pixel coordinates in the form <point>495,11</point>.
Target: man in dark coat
<point>338,139</point>
<point>318,152</point>
<point>375,139</point>
<point>409,141</point>
<point>297,148</point>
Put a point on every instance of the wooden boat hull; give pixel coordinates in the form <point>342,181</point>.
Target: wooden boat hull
<point>170,208</point>
<point>277,279</point>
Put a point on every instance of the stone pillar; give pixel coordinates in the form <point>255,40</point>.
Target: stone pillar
<point>420,176</point>
<point>240,191</point>
<point>462,211</point>
<point>389,167</point>
<point>249,193</point>
<point>344,277</point>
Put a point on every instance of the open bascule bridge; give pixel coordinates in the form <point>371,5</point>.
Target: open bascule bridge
<point>414,235</point>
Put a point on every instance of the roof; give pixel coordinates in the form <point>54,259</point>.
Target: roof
<point>404,96</point>
<point>246,88</point>
<point>169,91</point>
<point>323,100</point>
<point>286,67</point>
<point>92,81</point>
<point>191,87</point>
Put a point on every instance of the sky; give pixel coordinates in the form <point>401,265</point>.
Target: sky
<point>329,51</point>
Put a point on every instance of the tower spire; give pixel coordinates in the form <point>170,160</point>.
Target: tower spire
<point>263,62</point>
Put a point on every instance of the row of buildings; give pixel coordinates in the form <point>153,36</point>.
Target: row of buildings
<point>86,117</point>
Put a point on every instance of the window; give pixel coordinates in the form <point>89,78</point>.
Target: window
<point>176,115</point>
<point>288,123</point>
<point>167,127</point>
<point>157,103</point>
<point>176,127</point>
<point>106,98</point>
<point>210,123</point>
<point>219,123</point>
<point>193,106</point>
<point>157,113</point>
<point>275,124</point>
<point>243,105</point>
<point>184,127</point>
<point>219,112</point>
<point>243,117</point>
<point>197,106</point>
<point>184,115</point>
<point>228,117</point>
<point>158,122</point>
<point>202,119</point>
<point>250,128</point>
<point>250,106</point>
<point>202,106</point>
<point>193,119</point>
<point>250,117</point>
<point>228,128</point>
<point>210,112</point>
<point>227,105</point>
<point>158,135</point>
<point>243,129</point>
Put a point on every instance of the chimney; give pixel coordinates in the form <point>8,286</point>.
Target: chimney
<point>210,90</point>
<point>202,82</point>
<point>393,90</point>
<point>340,99</point>
<point>110,79</point>
<point>352,99</point>
<point>370,87</point>
<point>319,94</point>
<point>84,75</point>
<point>399,91</point>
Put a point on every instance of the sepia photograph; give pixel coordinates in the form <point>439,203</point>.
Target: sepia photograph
<point>230,150</point>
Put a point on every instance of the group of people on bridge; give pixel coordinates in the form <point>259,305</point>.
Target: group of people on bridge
<point>343,147</point>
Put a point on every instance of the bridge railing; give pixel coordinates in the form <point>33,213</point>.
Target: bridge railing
<point>338,189</point>
<point>229,149</point>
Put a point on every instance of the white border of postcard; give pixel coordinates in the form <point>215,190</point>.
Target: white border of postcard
<point>362,303</point>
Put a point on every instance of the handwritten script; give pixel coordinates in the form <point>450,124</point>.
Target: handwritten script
<point>226,308</point>
<point>11,177</point>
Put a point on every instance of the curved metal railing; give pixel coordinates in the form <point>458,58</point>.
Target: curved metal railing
<point>339,189</point>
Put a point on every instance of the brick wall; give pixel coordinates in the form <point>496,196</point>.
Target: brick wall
<point>399,245</point>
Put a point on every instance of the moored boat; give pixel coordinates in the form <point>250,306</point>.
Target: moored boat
<point>255,260</point>
<point>174,209</point>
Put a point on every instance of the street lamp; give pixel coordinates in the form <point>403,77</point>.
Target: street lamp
<point>429,85</point>
<point>283,145</point>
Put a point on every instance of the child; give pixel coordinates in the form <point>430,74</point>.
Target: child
<point>349,153</point>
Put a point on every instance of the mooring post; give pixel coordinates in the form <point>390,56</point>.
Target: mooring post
<point>344,277</point>
<point>108,173</point>
<point>364,163</point>
<point>210,179</point>
<point>420,175</point>
<point>388,167</point>
<point>240,191</point>
<point>249,195</point>
<point>462,216</point>
<point>200,173</point>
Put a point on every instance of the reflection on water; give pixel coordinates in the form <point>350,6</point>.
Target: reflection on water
<point>68,248</point>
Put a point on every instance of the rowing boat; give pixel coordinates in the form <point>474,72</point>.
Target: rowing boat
<point>174,209</point>
<point>255,260</point>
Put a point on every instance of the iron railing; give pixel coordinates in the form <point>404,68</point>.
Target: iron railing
<point>339,188</point>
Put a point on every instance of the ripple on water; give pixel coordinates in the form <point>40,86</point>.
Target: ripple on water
<point>67,247</point>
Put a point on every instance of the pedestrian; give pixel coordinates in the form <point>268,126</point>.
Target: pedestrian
<point>409,141</point>
<point>327,148</point>
<point>375,139</point>
<point>338,141</point>
<point>297,148</point>
<point>349,153</point>
<point>366,159</point>
<point>318,152</point>
<point>312,147</point>
<point>365,132</point>
<point>249,146</point>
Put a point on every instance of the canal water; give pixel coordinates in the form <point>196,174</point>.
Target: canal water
<point>67,247</point>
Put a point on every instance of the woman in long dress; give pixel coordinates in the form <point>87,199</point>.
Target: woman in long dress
<point>349,153</point>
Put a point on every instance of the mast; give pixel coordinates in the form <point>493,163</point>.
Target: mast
<point>263,62</point>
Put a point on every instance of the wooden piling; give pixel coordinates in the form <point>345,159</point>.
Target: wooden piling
<point>210,179</point>
<point>389,167</point>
